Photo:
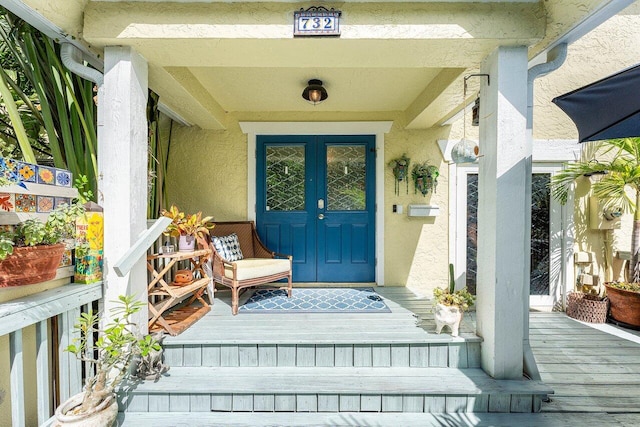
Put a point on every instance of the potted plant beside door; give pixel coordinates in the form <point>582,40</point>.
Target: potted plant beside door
<point>188,228</point>
<point>450,305</point>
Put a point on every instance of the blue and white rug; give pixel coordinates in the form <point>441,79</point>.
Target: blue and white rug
<point>315,300</point>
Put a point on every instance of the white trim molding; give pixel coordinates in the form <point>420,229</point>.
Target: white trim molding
<point>379,129</point>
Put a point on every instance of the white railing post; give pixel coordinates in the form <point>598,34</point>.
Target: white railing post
<point>42,371</point>
<point>17,379</point>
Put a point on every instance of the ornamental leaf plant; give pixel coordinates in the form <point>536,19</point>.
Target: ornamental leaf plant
<point>187,224</point>
<point>618,166</point>
<point>112,354</point>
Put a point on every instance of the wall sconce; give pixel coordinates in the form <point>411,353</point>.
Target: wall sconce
<point>314,92</point>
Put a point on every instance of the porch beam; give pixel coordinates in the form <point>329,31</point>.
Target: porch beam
<point>252,33</point>
<point>506,152</point>
<point>122,171</point>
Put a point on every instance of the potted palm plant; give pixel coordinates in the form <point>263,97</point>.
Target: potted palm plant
<point>187,227</point>
<point>618,166</point>
<point>111,357</point>
<point>450,305</point>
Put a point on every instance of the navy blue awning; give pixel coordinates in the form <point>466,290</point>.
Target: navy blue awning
<point>606,109</point>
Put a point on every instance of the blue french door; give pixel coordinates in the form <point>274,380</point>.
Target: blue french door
<point>316,201</point>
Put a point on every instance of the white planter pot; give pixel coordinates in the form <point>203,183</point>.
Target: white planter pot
<point>186,243</point>
<point>103,416</point>
<point>448,315</point>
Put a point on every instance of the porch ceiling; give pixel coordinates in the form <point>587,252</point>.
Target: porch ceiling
<point>394,59</point>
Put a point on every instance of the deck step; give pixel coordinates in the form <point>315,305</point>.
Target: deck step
<point>460,354</point>
<point>348,419</point>
<point>334,389</point>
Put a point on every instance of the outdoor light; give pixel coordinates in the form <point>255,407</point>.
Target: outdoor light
<point>314,92</point>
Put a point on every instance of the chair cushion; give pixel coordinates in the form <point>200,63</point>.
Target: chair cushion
<point>252,268</point>
<point>228,247</point>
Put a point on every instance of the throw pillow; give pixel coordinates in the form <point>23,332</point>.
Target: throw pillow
<point>228,247</point>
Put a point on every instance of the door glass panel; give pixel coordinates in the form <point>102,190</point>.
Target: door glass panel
<point>540,234</point>
<point>472,231</point>
<point>285,178</point>
<point>346,173</point>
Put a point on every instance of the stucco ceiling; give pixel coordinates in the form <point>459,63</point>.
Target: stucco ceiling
<point>393,58</point>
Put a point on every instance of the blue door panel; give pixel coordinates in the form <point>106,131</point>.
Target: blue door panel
<point>332,244</point>
<point>359,236</point>
<point>327,244</point>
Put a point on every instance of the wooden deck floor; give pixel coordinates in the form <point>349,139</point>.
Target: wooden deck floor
<point>595,373</point>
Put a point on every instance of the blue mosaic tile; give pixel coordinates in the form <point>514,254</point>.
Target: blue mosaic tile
<point>63,178</point>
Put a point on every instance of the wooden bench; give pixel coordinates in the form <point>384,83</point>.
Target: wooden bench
<point>259,265</point>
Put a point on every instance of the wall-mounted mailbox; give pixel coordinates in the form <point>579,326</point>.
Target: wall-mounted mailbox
<point>423,210</point>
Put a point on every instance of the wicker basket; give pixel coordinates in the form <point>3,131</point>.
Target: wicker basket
<point>587,308</point>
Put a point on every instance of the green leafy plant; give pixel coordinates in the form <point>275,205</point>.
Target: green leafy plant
<point>187,224</point>
<point>461,298</point>
<point>618,166</point>
<point>32,232</point>
<point>112,354</point>
<point>425,177</point>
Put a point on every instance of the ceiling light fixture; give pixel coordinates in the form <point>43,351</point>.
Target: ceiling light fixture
<point>314,92</point>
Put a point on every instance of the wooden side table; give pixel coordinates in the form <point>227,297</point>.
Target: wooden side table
<point>177,320</point>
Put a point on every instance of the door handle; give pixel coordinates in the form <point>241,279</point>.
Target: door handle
<point>321,216</point>
<point>320,203</point>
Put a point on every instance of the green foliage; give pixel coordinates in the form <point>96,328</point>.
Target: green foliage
<point>462,298</point>
<point>617,163</point>
<point>6,246</point>
<point>187,225</point>
<point>113,352</point>
<point>625,286</point>
<point>425,177</point>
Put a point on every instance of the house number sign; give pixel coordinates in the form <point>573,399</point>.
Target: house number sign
<point>316,21</point>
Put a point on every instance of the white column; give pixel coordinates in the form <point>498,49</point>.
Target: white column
<point>501,212</point>
<point>122,167</point>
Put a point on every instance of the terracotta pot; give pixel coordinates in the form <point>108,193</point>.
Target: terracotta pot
<point>448,315</point>
<point>102,416</point>
<point>624,306</point>
<point>186,243</point>
<point>30,264</point>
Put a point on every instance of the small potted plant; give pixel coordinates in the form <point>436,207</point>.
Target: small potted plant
<point>425,177</point>
<point>450,305</point>
<point>187,227</point>
<point>112,354</point>
<point>32,251</point>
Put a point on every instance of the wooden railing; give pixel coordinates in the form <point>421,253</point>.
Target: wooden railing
<point>58,374</point>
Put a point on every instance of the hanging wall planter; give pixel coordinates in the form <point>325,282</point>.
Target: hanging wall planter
<point>400,167</point>
<point>425,178</point>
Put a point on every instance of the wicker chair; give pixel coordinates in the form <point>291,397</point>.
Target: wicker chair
<point>259,265</point>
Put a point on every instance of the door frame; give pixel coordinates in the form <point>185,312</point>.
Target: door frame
<point>548,156</point>
<point>377,128</point>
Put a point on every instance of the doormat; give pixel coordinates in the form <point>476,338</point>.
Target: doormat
<point>315,300</point>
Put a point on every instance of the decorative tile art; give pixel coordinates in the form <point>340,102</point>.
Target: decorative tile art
<point>63,178</point>
<point>7,202</point>
<point>60,200</point>
<point>44,204</point>
<point>27,172</point>
<point>26,203</point>
<point>46,175</point>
